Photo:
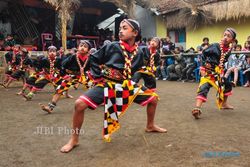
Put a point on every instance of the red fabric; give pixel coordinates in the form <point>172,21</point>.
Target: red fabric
<point>15,52</point>
<point>125,94</point>
<point>225,48</point>
<point>127,47</point>
<point>152,50</point>
<point>111,93</point>
<point>88,101</point>
<point>124,107</point>
<point>83,57</point>
<point>52,58</point>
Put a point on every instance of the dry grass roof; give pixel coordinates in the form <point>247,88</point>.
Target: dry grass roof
<point>192,13</point>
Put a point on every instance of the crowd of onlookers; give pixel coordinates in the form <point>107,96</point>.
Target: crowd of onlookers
<point>176,66</point>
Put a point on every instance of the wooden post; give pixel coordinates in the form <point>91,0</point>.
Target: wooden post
<point>64,25</point>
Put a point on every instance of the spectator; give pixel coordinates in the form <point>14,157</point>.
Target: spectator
<point>190,50</point>
<point>235,64</point>
<point>9,40</point>
<point>247,74</point>
<point>181,49</point>
<point>168,46</point>
<point>179,63</point>
<point>248,38</point>
<point>61,53</point>
<point>205,43</point>
<point>174,71</point>
<point>247,45</point>
<point>190,66</point>
<point>161,70</point>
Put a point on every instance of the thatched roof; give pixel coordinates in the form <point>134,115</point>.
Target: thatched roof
<point>192,13</point>
<point>232,9</point>
<point>126,5</point>
<point>168,6</point>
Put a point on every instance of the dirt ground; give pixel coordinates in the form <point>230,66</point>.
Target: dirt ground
<point>186,144</point>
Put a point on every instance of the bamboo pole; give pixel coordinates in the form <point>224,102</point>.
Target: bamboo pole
<point>64,26</point>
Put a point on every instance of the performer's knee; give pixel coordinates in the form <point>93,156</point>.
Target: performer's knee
<point>80,105</point>
<point>154,101</point>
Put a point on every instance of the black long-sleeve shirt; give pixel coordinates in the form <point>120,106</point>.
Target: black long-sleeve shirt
<point>9,58</point>
<point>147,56</point>
<point>44,63</point>
<point>212,55</point>
<point>70,63</point>
<point>111,55</point>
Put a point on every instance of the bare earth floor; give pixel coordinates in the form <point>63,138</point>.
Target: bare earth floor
<point>188,142</point>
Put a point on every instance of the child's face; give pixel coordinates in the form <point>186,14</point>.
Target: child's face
<point>176,51</point>
<point>9,38</point>
<point>61,50</point>
<point>52,53</point>
<point>7,48</point>
<point>227,38</point>
<point>153,44</point>
<point>83,48</point>
<point>205,41</point>
<point>126,32</point>
<point>168,39</point>
<point>248,44</point>
<point>16,48</point>
<point>238,49</point>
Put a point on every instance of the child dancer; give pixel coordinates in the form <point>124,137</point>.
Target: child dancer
<point>12,59</point>
<point>151,61</point>
<point>119,61</point>
<point>23,66</point>
<point>212,72</point>
<point>75,67</point>
<point>50,73</point>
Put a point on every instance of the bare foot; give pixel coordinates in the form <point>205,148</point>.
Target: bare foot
<point>3,85</point>
<point>69,146</point>
<point>227,107</point>
<point>19,93</point>
<point>156,128</point>
<point>69,96</point>
<point>45,108</point>
<point>246,85</point>
<point>233,84</point>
